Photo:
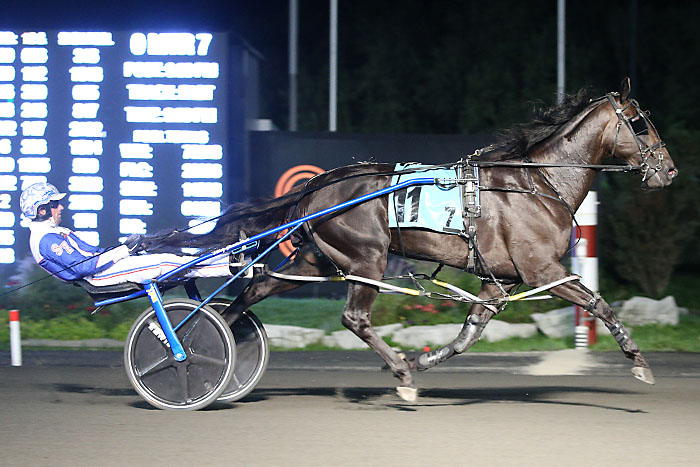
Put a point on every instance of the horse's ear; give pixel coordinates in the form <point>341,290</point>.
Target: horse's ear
<point>625,88</point>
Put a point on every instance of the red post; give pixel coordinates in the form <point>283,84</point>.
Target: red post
<point>585,261</point>
<point>15,339</point>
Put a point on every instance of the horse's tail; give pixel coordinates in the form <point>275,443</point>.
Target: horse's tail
<point>237,221</point>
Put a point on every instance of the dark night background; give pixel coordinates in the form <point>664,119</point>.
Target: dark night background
<point>468,67</point>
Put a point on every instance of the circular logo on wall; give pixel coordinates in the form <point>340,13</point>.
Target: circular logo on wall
<point>289,179</point>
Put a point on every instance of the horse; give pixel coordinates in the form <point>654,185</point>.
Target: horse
<point>531,183</point>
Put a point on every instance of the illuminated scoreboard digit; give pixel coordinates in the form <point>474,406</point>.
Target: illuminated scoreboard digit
<point>131,125</point>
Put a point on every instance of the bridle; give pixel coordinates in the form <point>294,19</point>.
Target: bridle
<point>648,153</point>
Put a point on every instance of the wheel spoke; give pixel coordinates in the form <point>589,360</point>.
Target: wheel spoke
<point>198,358</point>
<point>195,322</point>
<point>183,381</point>
<point>235,380</point>
<point>163,363</point>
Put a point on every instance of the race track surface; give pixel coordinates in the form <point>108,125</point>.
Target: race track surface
<point>338,408</point>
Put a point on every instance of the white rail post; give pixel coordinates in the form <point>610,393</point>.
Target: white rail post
<point>585,264</point>
<point>15,339</point>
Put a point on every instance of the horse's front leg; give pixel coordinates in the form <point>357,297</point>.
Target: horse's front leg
<point>356,317</point>
<point>477,319</point>
<point>578,294</point>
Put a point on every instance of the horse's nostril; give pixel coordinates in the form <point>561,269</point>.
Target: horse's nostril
<point>672,172</point>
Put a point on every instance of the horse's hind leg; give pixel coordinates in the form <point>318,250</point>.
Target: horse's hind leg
<point>356,317</point>
<point>307,263</point>
<point>477,319</point>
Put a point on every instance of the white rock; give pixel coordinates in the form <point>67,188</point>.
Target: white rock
<point>292,336</point>
<point>497,330</point>
<point>344,339</point>
<point>348,340</point>
<point>641,310</point>
<point>419,336</point>
<point>556,323</point>
<point>388,329</point>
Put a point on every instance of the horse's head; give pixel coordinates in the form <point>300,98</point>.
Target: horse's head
<point>635,140</point>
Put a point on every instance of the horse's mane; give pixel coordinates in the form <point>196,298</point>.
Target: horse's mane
<point>515,142</point>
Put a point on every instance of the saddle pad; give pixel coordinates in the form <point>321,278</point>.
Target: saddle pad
<point>426,206</point>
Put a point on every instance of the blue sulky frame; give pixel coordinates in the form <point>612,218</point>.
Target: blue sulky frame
<point>152,290</point>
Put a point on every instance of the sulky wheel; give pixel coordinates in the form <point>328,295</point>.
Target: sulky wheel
<point>252,353</point>
<point>193,383</point>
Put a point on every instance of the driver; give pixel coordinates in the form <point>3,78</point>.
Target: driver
<point>63,254</point>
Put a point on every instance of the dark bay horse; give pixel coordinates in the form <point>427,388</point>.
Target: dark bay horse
<point>523,232</point>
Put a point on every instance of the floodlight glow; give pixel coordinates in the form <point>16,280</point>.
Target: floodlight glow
<point>34,55</point>
<point>138,188</point>
<point>85,110</point>
<point>7,91</point>
<point>171,92</point>
<point>85,165</point>
<point>36,147</point>
<point>135,170</point>
<point>171,136</point>
<point>39,165</point>
<point>34,38</point>
<point>202,170</point>
<point>7,255</point>
<point>35,73</point>
<point>85,38</point>
<point>7,73</point>
<point>8,128</point>
<point>135,207</point>
<point>34,110</point>
<point>7,109</point>
<point>132,226</point>
<point>86,92</point>
<point>202,189</point>
<point>200,208</point>
<point>7,219</point>
<point>7,55</point>
<point>86,130</point>
<point>8,38</point>
<point>85,220</point>
<point>7,237</point>
<point>8,183</point>
<point>201,226</point>
<point>7,164</point>
<point>34,92</point>
<point>136,151</point>
<point>33,128</point>
<point>171,70</point>
<point>85,202</point>
<point>93,74</point>
<point>90,55</point>
<point>85,147</point>
<point>88,236</point>
<point>202,151</point>
<point>81,183</point>
<point>5,146</point>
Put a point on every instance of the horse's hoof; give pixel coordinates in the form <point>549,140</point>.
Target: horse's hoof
<point>407,394</point>
<point>643,374</point>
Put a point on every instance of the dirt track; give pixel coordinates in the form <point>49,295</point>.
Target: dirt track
<point>91,416</point>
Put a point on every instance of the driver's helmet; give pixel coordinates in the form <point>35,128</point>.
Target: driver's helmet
<point>36,195</point>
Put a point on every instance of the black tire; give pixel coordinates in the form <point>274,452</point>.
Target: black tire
<point>189,385</point>
<point>252,353</point>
